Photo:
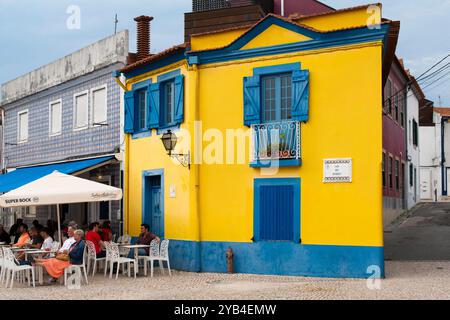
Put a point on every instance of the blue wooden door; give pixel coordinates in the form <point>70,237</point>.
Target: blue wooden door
<point>153,213</point>
<point>156,212</point>
<point>277,213</point>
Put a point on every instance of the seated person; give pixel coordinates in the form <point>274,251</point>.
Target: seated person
<point>144,238</point>
<point>4,236</point>
<point>24,237</point>
<point>36,239</point>
<point>36,243</point>
<point>47,245</point>
<point>68,243</point>
<point>106,231</point>
<point>74,256</point>
<point>93,236</point>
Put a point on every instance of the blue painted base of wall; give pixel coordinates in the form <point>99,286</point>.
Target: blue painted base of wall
<point>277,258</point>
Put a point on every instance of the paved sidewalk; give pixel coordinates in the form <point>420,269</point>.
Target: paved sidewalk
<point>405,280</point>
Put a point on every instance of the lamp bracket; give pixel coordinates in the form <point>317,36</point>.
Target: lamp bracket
<point>183,159</point>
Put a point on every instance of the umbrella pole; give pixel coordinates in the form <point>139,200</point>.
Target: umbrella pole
<point>59,224</point>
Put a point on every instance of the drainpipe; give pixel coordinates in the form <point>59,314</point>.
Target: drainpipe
<point>443,160</point>
<point>197,155</point>
<point>125,159</point>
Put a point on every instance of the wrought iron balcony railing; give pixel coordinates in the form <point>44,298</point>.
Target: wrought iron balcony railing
<point>276,141</point>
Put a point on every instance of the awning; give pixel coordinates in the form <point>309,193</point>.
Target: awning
<point>22,176</point>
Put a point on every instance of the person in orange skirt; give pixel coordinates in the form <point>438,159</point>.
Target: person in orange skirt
<point>55,266</point>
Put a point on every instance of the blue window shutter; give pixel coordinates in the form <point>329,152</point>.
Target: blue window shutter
<point>153,104</point>
<point>129,112</point>
<point>252,100</point>
<point>276,213</point>
<point>300,95</point>
<point>178,116</point>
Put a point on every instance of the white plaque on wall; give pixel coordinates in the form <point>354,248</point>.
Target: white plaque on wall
<point>337,170</point>
<point>172,191</point>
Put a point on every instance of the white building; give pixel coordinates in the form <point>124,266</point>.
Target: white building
<point>430,153</point>
<point>412,170</point>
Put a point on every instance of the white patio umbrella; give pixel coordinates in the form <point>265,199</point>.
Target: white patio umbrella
<point>58,188</point>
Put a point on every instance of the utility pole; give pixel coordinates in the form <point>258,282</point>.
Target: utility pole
<point>116,21</point>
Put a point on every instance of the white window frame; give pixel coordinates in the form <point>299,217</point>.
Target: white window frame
<point>50,133</point>
<point>18,126</point>
<point>75,96</point>
<point>91,113</point>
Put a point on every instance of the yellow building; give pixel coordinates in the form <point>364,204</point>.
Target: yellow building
<point>279,145</point>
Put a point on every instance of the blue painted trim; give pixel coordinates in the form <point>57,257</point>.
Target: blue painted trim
<point>116,74</point>
<point>169,75</point>
<point>273,163</point>
<point>176,57</point>
<point>278,258</point>
<point>328,40</point>
<point>281,68</point>
<point>150,173</point>
<point>140,135</point>
<point>267,23</point>
<point>141,85</point>
<point>295,182</point>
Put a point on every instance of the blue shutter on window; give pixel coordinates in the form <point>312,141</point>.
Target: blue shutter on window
<point>129,112</point>
<point>252,100</point>
<point>300,95</point>
<point>276,221</point>
<point>179,100</point>
<point>153,104</point>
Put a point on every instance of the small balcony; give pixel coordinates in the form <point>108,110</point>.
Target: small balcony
<point>276,141</point>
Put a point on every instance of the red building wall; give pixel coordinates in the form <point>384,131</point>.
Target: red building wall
<point>394,143</point>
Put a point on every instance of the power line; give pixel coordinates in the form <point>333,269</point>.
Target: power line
<point>408,84</point>
<point>418,78</point>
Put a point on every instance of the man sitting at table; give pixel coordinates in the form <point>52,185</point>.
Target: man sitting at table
<point>36,243</point>
<point>145,238</point>
<point>24,236</point>
<point>93,236</point>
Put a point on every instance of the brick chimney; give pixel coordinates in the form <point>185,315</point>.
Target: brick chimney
<point>143,36</point>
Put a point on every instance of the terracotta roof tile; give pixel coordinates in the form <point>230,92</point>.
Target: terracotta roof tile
<point>443,111</point>
<point>298,16</point>
<point>154,57</point>
<point>289,21</point>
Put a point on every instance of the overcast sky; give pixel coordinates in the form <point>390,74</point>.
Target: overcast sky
<point>34,32</point>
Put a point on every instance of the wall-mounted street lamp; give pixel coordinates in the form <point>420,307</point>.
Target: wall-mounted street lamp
<point>169,140</point>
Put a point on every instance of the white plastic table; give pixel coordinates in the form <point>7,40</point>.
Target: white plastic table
<point>136,252</point>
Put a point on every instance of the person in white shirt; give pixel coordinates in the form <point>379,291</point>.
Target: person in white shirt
<point>48,241</point>
<point>69,242</point>
<point>47,245</point>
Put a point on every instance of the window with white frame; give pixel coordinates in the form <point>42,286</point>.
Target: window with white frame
<point>81,111</point>
<point>22,127</point>
<point>99,105</point>
<point>55,117</point>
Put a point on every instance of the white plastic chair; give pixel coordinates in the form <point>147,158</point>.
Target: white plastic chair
<point>113,256</point>
<point>153,255</point>
<point>11,268</point>
<point>81,267</point>
<point>164,255</point>
<point>92,255</point>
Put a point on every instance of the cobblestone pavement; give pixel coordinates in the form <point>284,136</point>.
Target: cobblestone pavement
<point>404,280</point>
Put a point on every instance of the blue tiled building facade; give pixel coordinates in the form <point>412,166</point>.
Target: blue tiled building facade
<point>85,90</point>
